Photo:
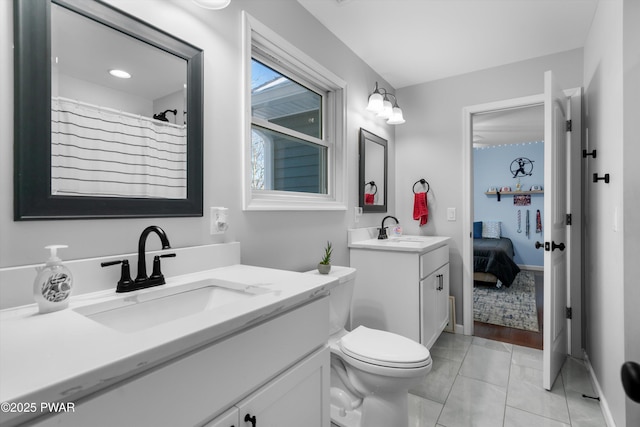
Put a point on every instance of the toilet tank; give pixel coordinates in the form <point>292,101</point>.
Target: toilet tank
<point>340,298</point>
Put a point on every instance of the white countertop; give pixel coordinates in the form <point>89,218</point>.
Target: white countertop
<point>419,244</point>
<point>64,355</point>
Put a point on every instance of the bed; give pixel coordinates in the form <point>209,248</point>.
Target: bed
<point>493,261</point>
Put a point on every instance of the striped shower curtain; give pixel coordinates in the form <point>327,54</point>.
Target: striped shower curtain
<point>97,151</point>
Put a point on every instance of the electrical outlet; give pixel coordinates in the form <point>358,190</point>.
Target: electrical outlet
<point>218,220</point>
<point>357,214</point>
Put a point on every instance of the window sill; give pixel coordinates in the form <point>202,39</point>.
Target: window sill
<point>273,202</point>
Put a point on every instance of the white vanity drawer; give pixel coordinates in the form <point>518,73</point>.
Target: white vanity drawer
<point>431,261</point>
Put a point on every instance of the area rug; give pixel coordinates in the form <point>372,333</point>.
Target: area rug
<point>514,307</point>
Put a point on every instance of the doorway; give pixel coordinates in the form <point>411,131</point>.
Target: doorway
<point>508,201</point>
<point>574,168</point>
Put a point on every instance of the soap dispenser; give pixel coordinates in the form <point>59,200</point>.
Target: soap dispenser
<point>52,287</point>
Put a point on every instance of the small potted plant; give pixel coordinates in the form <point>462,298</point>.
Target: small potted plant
<point>324,267</point>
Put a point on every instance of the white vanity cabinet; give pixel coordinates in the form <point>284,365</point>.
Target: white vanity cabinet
<point>276,371</point>
<point>298,397</point>
<point>228,419</point>
<point>402,288</point>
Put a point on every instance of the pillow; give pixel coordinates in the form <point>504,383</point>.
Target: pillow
<point>491,230</point>
<point>477,229</point>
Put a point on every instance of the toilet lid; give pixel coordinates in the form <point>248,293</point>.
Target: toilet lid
<point>384,348</point>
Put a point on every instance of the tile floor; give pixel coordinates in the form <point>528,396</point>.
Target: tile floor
<point>479,382</point>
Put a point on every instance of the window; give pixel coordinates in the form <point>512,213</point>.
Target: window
<point>294,155</point>
<point>287,149</point>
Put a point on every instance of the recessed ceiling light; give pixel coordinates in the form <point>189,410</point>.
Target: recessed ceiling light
<point>212,4</point>
<point>121,74</point>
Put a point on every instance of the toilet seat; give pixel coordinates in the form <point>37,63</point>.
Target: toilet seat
<point>384,348</point>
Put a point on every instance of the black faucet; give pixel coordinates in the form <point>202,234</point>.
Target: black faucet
<point>125,284</point>
<point>383,231</point>
<point>156,278</point>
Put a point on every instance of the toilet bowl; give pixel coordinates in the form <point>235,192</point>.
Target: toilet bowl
<point>371,370</point>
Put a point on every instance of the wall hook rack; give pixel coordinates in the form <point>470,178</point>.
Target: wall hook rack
<point>585,154</point>
<point>604,178</point>
<point>423,182</point>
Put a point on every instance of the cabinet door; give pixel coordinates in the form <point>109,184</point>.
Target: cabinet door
<point>434,305</point>
<point>299,397</point>
<point>441,308</point>
<point>228,419</point>
<point>428,296</point>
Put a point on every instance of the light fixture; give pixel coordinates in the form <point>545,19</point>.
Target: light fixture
<point>121,74</point>
<point>380,104</point>
<point>212,4</point>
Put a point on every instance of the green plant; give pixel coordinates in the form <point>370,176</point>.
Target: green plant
<point>326,258</point>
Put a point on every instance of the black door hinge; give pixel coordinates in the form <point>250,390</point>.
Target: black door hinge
<point>568,313</point>
<point>568,126</point>
<point>568,219</point>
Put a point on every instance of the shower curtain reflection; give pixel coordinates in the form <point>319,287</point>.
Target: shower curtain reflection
<point>97,151</point>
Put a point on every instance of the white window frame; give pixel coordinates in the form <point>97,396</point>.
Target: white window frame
<point>260,38</point>
<point>268,161</point>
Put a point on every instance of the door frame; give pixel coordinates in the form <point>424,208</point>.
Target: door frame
<point>574,205</point>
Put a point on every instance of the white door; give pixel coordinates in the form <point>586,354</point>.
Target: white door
<point>555,344</point>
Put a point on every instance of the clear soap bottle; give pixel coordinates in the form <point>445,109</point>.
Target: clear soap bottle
<point>53,284</point>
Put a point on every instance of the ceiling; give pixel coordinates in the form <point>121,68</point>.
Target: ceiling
<point>509,126</point>
<point>87,50</point>
<point>409,42</point>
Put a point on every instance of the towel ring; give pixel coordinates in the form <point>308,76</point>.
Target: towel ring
<point>372,184</point>
<point>423,182</point>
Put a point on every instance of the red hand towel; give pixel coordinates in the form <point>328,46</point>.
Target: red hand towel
<point>420,209</point>
<point>369,198</point>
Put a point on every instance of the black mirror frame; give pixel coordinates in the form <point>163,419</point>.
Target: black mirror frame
<point>32,118</point>
<point>365,136</point>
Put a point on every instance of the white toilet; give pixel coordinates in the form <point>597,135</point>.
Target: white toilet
<point>371,370</point>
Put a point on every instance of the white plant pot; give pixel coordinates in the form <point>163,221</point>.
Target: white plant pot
<point>324,268</point>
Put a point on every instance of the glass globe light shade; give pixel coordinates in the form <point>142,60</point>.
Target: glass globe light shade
<point>396,117</point>
<point>387,110</point>
<point>212,4</point>
<point>375,102</point>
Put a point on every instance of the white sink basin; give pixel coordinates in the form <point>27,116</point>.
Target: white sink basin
<point>400,242</point>
<point>405,243</point>
<point>406,240</point>
<point>151,307</point>
<point>412,239</point>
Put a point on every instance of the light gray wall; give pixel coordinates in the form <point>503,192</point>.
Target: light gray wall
<point>603,210</point>
<point>429,145</point>
<point>631,191</point>
<point>612,82</point>
<point>290,240</point>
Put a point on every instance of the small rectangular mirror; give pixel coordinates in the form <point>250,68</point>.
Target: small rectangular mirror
<point>373,172</point>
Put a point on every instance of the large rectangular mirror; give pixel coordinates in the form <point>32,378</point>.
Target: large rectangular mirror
<point>89,144</point>
<point>373,172</point>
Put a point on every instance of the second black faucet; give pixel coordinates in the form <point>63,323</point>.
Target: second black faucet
<point>382,234</point>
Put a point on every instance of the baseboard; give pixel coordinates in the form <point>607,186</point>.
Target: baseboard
<point>459,329</point>
<point>604,406</point>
